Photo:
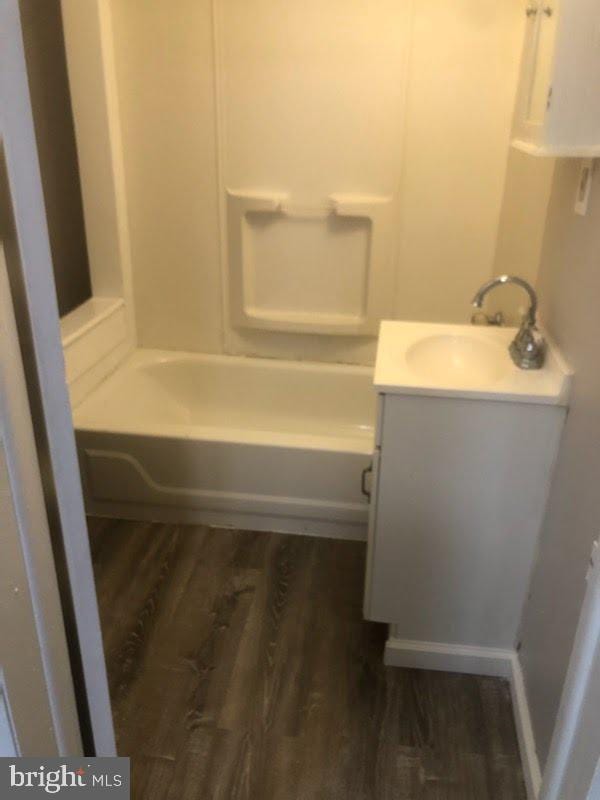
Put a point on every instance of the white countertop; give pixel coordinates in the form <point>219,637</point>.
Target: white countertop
<point>469,361</point>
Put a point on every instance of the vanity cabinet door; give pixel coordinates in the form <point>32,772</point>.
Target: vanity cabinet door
<point>372,532</point>
<point>457,506</point>
<point>373,503</point>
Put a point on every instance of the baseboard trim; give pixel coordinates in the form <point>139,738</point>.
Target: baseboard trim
<point>529,758</point>
<point>448,657</point>
<point>477,661</point>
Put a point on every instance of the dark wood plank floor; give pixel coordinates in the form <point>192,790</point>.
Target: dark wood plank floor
<point>240,667</point>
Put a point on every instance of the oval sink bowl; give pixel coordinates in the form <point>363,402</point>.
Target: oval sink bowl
<point>452,360</point>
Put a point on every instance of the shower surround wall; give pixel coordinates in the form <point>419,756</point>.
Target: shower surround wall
<point>215,94</point>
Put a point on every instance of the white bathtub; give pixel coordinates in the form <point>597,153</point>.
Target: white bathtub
<point>242,442</point>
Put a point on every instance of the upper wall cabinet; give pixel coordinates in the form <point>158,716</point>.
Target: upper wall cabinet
<point>558,103</point>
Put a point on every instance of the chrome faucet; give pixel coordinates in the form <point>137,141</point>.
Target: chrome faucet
<point>528,348</point>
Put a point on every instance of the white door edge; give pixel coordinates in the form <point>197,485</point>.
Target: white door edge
<point>38,285</point>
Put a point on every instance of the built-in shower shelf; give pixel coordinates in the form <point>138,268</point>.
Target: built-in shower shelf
<point>358,205</point>
<point>320,267</point>
<point>330,322</point>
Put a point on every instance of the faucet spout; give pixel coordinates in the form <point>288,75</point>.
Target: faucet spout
<point>502,280</point>
<point>528,347</point>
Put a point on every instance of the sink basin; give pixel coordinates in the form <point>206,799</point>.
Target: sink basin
<point>458,359</point>
<point>446,360</point>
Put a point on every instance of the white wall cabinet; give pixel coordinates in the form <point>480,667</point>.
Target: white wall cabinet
<point>457,498</point>
<point>558,103</point>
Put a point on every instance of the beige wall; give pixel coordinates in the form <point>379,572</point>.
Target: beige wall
<point>569,289</point>
<point>464,69</point>
<point>521,229</point>
<point>462,81</point>
<point>49,88</point>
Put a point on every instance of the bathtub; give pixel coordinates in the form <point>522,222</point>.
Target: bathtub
<point>227,441</point>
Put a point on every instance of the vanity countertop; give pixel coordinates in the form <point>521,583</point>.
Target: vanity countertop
<point>467,361</point>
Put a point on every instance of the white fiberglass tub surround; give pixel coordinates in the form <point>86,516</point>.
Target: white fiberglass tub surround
<point>234,441</point>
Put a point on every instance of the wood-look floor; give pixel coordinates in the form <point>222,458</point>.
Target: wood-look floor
<point>240,667</point>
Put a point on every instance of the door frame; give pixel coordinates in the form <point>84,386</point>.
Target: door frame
<point>36,311</point>
<point>35,675</point>
<point>574,760</point>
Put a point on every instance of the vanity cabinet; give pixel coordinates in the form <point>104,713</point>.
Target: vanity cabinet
<point>457,499</point>
<point>459,486</point>
<point>558,103</point>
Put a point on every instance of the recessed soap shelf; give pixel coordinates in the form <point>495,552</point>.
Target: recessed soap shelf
<point>313,268</point>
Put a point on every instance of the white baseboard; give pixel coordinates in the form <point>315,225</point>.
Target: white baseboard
<point>525,735</point>
<point>477,661</point>
<point>447,657</point>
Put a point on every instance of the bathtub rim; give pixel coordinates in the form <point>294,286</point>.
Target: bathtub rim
<point>141,358</point>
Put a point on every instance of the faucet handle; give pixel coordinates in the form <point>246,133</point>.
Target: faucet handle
<point>481,318</point>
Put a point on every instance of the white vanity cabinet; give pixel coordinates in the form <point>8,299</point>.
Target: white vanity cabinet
<point>558,102</point>
<point>459,485</point>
